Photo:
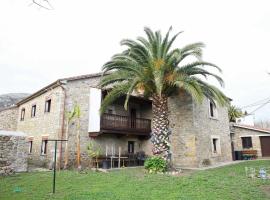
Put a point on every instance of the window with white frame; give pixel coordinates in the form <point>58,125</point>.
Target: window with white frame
<point>215,143</point>
<point>33,110</point>
<point>48,103</point>
<point>22,114</point>
<point>44,146</point>
<point>212,109</point>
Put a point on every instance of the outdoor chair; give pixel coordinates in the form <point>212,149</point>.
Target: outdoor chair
<point>141,157</point>
<point>132,159</point>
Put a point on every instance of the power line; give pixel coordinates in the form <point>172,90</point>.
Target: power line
<point>260,107</point>
<point>257,103</point>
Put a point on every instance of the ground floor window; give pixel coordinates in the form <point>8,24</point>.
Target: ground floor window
<point>30,146</point>
<point>246,142</point>
<point>215,145</point>
<point>44,146</point>
<point>131,146</point>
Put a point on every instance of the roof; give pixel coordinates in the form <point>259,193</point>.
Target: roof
<point>57,83</point>
<point>264,130</point>
<point>8,108</point>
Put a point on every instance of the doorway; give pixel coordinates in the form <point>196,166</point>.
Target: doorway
<point>265,146</point>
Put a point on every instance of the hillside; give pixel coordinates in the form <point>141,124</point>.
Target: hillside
<point>6,100</point>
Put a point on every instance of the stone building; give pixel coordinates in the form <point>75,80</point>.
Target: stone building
<point>246,137</point>
<point>200,132</point>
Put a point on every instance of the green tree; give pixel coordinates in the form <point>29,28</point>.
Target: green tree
<point>69,117</point>
<point>77,117</point>
<point>234,113</point>
<point>152,68</point>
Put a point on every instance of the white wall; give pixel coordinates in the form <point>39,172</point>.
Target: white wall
<point>94,106</point>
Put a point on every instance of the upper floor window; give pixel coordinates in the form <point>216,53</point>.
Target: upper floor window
<point>48,105</point>
<point>246,142</point>
<point>212,110</point>
<point>33,111</point>
<point>22,114</point>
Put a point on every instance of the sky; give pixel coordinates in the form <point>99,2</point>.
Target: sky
<point>39,46</point>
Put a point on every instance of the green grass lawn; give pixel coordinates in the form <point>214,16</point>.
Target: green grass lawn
<point>222,183</point>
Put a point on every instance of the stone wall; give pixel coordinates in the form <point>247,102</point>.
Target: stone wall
<point>207,129</point>
<point>13,152</point>
<point>8,118</point>
<point>193,130</point>
<point>43,125</point>
<point>183,138</point>
<point>238,132</point>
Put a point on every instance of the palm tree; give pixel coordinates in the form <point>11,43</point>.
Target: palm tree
<point>234,113</point>
<point>150,67</point>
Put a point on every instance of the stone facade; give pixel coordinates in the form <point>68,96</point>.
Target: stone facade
<point>8,118</point>
<point>193,132</point>
<point>78,91</point>
<point>44,125</point>
<point>13,152</point>
<point>239,131</point>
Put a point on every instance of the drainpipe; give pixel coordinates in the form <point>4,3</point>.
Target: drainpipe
<point>63,121</point>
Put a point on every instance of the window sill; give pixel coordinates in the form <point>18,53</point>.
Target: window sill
<point>215,155</point>
<point>213,118</point>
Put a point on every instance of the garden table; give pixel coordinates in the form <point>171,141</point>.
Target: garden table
<point>119,160</point>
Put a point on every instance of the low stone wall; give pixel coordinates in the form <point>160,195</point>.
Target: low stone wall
<point>13,152</point>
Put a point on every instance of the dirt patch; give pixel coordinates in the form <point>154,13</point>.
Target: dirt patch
<point>266,189</point>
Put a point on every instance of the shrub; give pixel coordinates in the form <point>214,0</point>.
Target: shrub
<point>155,164</point>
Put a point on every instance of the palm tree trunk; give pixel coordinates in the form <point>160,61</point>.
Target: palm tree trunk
<point>160,126</point>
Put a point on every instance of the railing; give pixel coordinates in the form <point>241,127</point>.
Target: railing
<point>124,123</point>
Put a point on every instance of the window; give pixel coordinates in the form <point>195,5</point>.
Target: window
<point>212,110</point>
<point>216,150</point>
<point>30,146</point>
<point>33,111</point>
<point>246,142</point>
<point>44,145</point>
<point>48,105</point>
<point>22,114</point>
<point>215,145</point>
<point>131,146</point>
<point>110,111</point>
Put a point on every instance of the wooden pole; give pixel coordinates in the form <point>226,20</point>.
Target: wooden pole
<point>54,167</point>
<point>119,161</point>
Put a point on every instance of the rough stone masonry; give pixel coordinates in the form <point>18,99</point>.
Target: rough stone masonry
<point>13,152</point>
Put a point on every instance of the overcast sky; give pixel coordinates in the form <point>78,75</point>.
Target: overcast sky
<point>38,46</point>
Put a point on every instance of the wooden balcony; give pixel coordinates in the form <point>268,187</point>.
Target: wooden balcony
<point>111,123</point>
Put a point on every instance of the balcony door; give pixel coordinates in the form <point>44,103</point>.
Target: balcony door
<point>133,114</point>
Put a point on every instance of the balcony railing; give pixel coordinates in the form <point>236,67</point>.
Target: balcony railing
<point>111,122</point>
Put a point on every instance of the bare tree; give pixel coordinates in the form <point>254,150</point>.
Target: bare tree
<point>263,124</point>
<point>45,4</point>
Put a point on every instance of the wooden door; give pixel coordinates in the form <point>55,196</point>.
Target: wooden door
<point>265,146</point>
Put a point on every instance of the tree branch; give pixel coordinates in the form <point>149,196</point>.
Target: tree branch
<point>41,5</point>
